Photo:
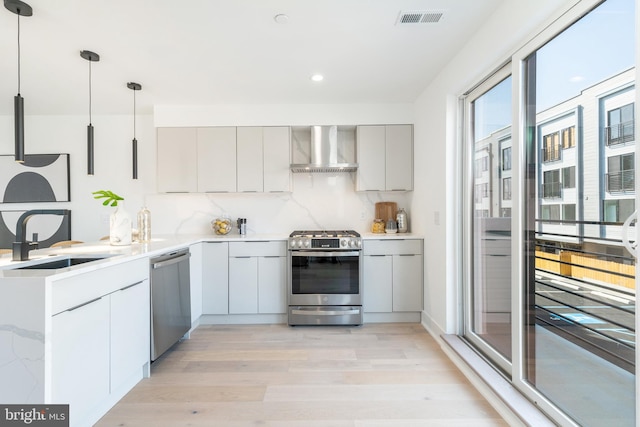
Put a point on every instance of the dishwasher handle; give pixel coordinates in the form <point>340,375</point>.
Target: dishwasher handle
<point>170,261</point>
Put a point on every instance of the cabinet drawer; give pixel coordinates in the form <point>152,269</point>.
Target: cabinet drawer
<point>393,247</point>
<point>76,290</point>
<point>237,249</point>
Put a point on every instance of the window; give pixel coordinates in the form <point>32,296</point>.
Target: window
<point>506,159</point>
<point>621,127</point>
<point>568,137</point>
<point>551,184</point>
<point>621,173</point>
<point>618,210</point>
<point>569,212</point>
<point>569,177</point>
<point>551,212</point>
<point>551,147</point>
<point>506,189</point>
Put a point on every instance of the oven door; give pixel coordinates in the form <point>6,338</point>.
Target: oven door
<point>325,278</point>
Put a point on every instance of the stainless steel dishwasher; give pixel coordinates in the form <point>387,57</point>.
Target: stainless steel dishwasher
<point>170,300</point>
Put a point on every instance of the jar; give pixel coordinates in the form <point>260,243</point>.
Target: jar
<point>378,226</point>
<point>391,227</point>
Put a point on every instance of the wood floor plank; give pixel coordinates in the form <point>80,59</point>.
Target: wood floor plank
<point>377,375</point>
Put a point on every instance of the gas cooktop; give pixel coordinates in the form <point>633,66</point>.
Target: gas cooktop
<point>325,239</point>
<point>319,234</point>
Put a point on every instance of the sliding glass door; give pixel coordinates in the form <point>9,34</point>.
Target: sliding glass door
<point>579,286</point>
<point>549,193</point>
<point>488,200</point>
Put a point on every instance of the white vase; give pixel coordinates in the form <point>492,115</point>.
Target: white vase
<point>120,226</point>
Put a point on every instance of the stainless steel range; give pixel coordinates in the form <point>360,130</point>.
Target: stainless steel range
<point>325,270</point>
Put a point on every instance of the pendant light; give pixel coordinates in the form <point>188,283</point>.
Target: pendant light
<point>134,87</point>
<point>91,57</point>
<point>21,9</point>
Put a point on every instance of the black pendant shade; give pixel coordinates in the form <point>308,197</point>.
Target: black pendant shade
<point>91,57</point>
<point>21,9</point>
<point>134,143</point>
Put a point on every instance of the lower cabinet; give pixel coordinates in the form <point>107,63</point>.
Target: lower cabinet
<point>99,340</point>
<point>80,357</point>
<point>393,275</point>
<point>257,277</point>
<point>215,278</point>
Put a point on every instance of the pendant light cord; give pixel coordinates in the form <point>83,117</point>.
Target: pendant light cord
<point>18,52</point>
<point>134,114</point>
<point>89,92</point>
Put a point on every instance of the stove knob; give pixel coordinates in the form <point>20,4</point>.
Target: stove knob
<point>343,242</point>
<point>358,243</point>
<point>306,243</point>
<point>351,243</point>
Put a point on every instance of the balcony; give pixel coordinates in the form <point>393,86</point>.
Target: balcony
<point>620,182</point>
<point>620,133</point>
<point>551,154</point>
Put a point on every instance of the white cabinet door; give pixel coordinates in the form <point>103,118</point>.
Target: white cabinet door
<point>399,157</point>
<point>276,144</point>
<point>80,358</point>
<point>250,159</point>
<point>176,160</point>
<point>378,283</point>
<point>370,149</point>
<point>130,332</point>
<point>272,284</point>
<point>215,278</point>
<point>216,163</point>
<point>407,282</point>
<point>243,285</point>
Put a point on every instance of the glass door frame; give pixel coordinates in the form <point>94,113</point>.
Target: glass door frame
<point>468,159</point>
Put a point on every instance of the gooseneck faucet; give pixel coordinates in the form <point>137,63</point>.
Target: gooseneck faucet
<point>21,247</point>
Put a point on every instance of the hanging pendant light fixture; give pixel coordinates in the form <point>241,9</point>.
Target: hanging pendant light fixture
<point>91,57</point>
<point>134,87</point>
<point>21,9</point>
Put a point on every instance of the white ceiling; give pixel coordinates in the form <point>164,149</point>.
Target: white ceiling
<point>204,52</point>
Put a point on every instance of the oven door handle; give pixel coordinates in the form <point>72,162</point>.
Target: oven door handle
<point>325,312</point>
<point>324,253</point>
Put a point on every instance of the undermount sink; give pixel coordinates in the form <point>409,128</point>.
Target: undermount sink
<point>61,263</point>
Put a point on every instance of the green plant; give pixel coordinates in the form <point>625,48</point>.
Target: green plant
<point>110,197</point>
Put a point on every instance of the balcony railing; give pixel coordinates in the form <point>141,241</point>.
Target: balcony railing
<point>620,133</point>
<point>621,182</point>
<point>551,154</point>
<point>552,190</point>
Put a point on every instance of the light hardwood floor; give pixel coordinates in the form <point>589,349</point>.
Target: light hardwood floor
<point>377,375</point>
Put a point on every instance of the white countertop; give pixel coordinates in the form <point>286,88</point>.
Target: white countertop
<point>117,254</point>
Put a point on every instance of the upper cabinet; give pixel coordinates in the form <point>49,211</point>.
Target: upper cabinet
<point>177,155</point>
<point>224,159</point>
<point>385,158</point>
<point>216,159</point>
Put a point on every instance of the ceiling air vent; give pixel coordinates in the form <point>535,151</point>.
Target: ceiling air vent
<point>420,17</point>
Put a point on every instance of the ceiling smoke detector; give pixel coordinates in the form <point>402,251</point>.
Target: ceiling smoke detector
<point>420,17</point>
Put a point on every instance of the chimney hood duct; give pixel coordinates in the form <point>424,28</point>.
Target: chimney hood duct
<point>324,153</point>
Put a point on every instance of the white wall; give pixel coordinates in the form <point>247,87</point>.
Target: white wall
<point>435,203</point>
<point>113,163</point>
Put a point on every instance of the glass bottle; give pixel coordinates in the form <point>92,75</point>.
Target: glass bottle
<point>401,218</point>
<point>144,225</point>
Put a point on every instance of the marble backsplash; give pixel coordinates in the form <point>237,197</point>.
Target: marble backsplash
<point>318,201</point>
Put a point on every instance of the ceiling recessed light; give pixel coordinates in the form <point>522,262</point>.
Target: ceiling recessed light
<point>317,77</point>
<point>281,18</point>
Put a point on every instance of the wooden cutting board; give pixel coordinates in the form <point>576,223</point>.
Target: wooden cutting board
<point>386,210</point>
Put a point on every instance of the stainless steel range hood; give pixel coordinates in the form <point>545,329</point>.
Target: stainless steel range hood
<point>324,153</point>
